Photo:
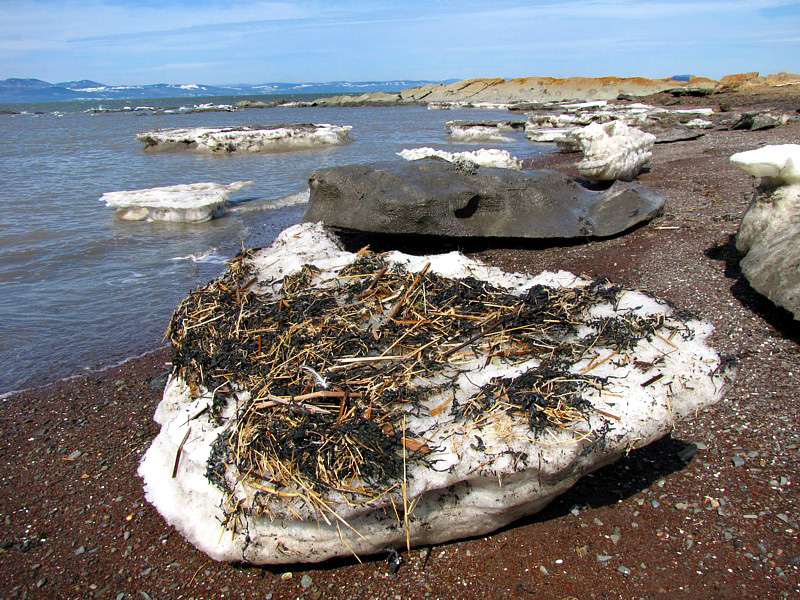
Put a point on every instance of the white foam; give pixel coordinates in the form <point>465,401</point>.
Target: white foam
<point>188,203</point>
<point>500,159</point>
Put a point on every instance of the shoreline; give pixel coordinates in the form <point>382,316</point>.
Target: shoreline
<point>711,511</point>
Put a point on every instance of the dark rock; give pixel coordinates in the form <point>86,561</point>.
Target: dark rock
<point>754,121</point>
<point>437,198</point>
<point>677,133</point>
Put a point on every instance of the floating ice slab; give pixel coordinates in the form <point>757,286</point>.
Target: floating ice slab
<point>249,138</point>
<point>781,162</point>
<point>461,434</point>
<point>477,133</point>
<point>613,151</point>
<point>500,159</point>
<point>189,203</point>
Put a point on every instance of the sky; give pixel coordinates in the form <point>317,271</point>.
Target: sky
<point>221,42</point>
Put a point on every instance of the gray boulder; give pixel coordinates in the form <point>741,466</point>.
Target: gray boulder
<point>433,197</point>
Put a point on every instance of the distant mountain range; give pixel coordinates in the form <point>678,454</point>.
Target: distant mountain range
<point>36,90</point>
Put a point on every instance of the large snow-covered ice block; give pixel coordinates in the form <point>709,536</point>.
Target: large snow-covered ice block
<point>613,151</point>
<point>186,203</point>
<point>248,138</point>
<point>327,403</point>
<point>769,233</point>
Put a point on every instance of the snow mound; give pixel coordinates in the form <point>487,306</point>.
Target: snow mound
<point>187,203</point>
<point>251,138</point>
<point>613,151</point>
<point>500,159</point>
<point>355,419</point>
<point>780,162</point>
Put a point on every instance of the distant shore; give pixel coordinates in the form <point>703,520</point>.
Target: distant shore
<point>718,523</point>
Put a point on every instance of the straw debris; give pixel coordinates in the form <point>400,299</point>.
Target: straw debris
<point>324,369</point>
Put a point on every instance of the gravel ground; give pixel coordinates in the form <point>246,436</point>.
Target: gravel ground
<point>709,512</point>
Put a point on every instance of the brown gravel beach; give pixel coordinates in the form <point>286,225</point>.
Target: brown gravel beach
<point>711,512</point>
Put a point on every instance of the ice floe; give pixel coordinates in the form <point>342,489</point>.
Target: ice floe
<point>613,151</point>
<point>769,234</point>
<point>500,159</point>
<point>186,203</point>
<point>249,138</point>
<point>471,442</point>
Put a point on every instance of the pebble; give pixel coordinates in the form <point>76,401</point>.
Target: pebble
<point>286,576</point>
<point>543,569</point>
<point>75,455</point>
<point>737,461</point>
<point>624,570</point>
<point>306,582</point>
<point>603,558</point>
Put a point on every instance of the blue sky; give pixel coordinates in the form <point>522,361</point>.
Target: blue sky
<point>231,41</point>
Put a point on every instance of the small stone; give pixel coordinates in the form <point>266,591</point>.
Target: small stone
<point>120,596</point>
<point>42,582</point>
<point>80,550</point>
<point>286,576</point>
<point>603,558</point>
<point>75,455</point>
<point>701,446</point>
<point>737,461</point>
<point>624,570</point>
<point>783,518</point>
<point>655,503</point>
<point>784,481</point>
<point>598,522</point>
<point>306,582</point>
<point>681,505</point>
<point>543,570</point>
<point>615,537</point>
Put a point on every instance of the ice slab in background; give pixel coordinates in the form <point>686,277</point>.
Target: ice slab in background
<point>476,477</point>
<point>613,151</point>
<point>249,138</point>
<point>500,159</point>
<point>186,203</point>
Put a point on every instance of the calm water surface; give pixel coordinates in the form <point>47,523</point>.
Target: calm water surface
<point>81,289</point>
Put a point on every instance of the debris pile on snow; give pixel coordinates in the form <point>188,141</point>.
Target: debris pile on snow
<point>326,403</point>
<point>249,138</point>
<point>188,203</point>
<point>769,234</point>
<point>613,151</point>
<point>500,159</point>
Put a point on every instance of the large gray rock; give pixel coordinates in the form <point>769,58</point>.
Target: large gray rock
<point>433,197</point>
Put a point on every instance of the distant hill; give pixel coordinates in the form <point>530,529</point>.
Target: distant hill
<point>36,90</point>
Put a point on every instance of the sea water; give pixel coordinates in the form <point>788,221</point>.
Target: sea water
<point>80,289</point>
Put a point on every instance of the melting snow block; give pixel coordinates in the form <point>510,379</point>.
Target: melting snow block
<point>613,151</point>
<point>250,138</point>
<point>327,403</point>
<point>189,203</point>
<point>500,159</point>
<point>769,233</point>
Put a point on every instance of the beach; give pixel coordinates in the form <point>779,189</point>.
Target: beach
<point>709,512</point>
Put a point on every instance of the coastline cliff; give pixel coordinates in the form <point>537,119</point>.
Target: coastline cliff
<point>551,89</point>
